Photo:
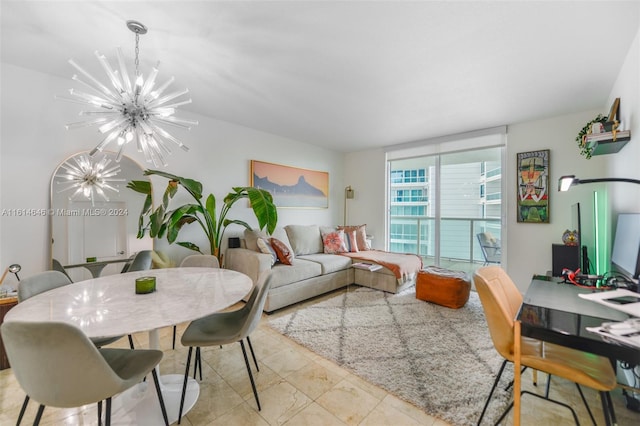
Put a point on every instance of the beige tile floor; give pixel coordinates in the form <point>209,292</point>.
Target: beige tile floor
<point>298,387</point>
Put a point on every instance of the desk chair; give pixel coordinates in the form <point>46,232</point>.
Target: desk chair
<point>227,327</point>
<point>501,301</point>
<point>59,366</point>
<point>45,281</point>
<point>490,246</point>
<point>196,261</point>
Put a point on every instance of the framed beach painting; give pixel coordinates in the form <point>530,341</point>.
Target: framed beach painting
<point>533,186</point>
<point>291,186</point>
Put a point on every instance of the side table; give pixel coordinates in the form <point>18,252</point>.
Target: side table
<point>6,303</point>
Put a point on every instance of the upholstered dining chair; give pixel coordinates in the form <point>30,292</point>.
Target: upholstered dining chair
<point>57,266</point>
<point>501,301</point>
<point>196,261</point>
<point>45,281</point>
<point>58,366</point>
<point>141,262</point>
<point>227,327</point>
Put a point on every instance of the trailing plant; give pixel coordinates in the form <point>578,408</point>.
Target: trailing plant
<point>165,221</point>
<point>586,130</point>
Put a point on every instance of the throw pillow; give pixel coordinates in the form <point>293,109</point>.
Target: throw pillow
<point>351,241</point>
<point>282,251</point>
<point>333,242</point>
<point>361,235</point>
<point>265,247</point>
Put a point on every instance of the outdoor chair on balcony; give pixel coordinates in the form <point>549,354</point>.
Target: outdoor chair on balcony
<point>490,246</point>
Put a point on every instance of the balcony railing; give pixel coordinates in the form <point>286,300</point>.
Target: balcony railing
<point>458,241</point>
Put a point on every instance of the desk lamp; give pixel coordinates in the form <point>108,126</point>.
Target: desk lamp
<point>14,269</point>
<point>565,182</point>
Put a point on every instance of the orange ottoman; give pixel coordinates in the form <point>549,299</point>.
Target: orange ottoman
<point>443,287</point>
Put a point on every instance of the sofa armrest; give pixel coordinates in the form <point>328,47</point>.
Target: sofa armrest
<point>249,262</point>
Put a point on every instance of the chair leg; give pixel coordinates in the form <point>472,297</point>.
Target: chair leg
<point>99,413</point>
<point>160,397</point>
<point>107,416</point>
<point>173,346</point>
<point>607,408</point>
<point>184,384</point>
<point>197,364</point>
<point>548,388</point>
<point>586,405</point>
<point>493,388</point>
<point>23,409</point>
<point>612,411</point>
<point>253,354</point>
<point>253,384</point>
<point>131,342</point>
<point>36,422</point>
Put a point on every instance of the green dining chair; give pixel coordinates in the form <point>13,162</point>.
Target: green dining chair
<point>228,327</point>
<point>57,365</point>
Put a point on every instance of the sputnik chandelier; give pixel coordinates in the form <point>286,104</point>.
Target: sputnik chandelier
<point>88,177</point>
<point>130,109</point>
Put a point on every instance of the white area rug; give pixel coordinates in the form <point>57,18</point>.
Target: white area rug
<point>439,359</point>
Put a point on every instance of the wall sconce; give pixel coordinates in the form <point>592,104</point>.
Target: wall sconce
<point>565,182</point>
<point>349,194</point>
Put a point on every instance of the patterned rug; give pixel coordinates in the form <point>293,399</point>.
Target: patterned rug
<point>439,359</point>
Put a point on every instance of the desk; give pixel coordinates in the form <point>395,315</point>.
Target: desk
<point>108,306</point>
<point>96,267</point>
<point>552,311</point>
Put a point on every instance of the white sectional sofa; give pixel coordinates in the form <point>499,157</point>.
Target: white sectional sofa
<point>312,271</point>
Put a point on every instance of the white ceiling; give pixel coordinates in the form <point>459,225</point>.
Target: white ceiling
<point>347,75</point>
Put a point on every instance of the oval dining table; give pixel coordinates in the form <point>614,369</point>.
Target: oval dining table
<point>109,306</point>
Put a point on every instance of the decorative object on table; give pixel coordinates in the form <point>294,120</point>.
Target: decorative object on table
<point>570,238</point>
<point>145,285</point>
<point>163,220</point>
<point>88,176</point>
<point>533,186</point>
<point>566,182</point>
<point>14,269</point>
<point>132,109</point>
<point>291,186</point>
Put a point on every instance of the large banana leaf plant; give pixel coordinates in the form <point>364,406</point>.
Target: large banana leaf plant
<point>165,221</point>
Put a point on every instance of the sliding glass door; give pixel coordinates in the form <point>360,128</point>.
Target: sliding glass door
<point>438,204</point>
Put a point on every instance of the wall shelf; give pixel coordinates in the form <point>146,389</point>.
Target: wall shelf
<point>603,143</point>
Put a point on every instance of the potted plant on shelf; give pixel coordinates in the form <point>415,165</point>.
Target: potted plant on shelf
<point>585,149</point>
<point>167,221</point>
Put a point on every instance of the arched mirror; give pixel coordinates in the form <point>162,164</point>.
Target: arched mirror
<point>94,216</point>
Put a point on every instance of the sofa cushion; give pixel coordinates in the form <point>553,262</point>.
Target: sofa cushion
<point>304,239</point>
<point>265,247</point>
<point>333,241</point>
<point>282,251</point>
<point>329,262</point>
<point>251,238</point>
<point>361,235</point>
<point>299,270</point>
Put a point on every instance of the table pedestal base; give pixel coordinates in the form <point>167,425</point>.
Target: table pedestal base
<point>140,406</point>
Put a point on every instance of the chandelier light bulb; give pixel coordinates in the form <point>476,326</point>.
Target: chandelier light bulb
<point>130,112</point>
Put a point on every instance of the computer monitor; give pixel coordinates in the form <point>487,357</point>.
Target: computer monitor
<point>625,254</point>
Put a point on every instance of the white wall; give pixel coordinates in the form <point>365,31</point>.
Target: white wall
<point>34,141</point>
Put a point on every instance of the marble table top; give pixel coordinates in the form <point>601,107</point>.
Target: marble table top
<point>108,306</point>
